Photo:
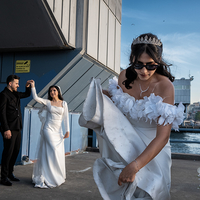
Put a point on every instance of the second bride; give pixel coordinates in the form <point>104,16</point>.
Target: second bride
<point>49,170</point>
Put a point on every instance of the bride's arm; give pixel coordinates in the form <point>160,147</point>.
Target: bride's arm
<point>156,145</point>
<point>35,96</point>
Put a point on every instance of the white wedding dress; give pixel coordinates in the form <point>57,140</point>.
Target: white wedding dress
<point>49,170</point>
<point>124,129</point>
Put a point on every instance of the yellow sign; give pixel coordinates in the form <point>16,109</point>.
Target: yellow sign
<point>22,66</point>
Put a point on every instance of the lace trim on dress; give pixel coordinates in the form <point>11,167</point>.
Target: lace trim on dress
<point>149,108</point>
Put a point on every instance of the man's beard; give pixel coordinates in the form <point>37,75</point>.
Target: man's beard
<point>13,89</point>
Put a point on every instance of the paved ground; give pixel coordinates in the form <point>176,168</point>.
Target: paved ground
<point>80,184</point>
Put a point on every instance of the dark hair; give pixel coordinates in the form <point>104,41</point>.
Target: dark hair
<point>59,92</point>
<point>154,51</point>
<point>11,78</point>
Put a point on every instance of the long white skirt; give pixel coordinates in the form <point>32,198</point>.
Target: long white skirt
<point>120,143</point>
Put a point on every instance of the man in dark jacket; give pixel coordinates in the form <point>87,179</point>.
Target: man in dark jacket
<point>11,125</point>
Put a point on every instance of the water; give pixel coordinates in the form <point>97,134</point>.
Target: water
<point>191,148</point>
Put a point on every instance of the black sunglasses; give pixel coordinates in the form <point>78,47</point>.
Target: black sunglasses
<point>148,67</point>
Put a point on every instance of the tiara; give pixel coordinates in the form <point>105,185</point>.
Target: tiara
<point>145,40</point>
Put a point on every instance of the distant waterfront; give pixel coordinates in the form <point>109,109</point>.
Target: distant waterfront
<point>190,148</point>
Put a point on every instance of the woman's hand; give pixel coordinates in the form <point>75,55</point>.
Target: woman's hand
<point>128,174</point>
<point>32,82</point>
<point>106,93</point>
<point>66,135</point>
<point>28,83</point>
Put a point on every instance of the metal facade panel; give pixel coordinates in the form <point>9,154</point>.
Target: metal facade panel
<point>106,1</point>
<point>117,46</point>
<point>104,86</point>
<point>111,41</point>
<point>65,19</point>
<point>93,25</point>
<point>72,28</point>
<point>51,4</point>
<point>103,33</point>
<point>84,80</point>
<point>112,4</point>
<point>58,11</point>
<point>80,98</point>
<point>118,11</point>
<point>67,81</point>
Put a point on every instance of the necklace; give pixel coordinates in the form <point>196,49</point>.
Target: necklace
<point>142,91</point>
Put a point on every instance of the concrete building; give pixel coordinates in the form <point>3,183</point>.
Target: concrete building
<point>182,91</point>
<point>62,42</point>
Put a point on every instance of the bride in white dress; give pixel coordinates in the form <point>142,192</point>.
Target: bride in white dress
<point>49,170</point>
<point>133,122</point>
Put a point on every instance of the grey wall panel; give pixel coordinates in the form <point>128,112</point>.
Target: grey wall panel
<point>118,10</point>
<point>93,31</point>
<point>117,46</point>
<point>106,82</point>
<point>81,83</point>
<point>80,98</point>
<point>79,108</point>
<point>104,85</point>
<point>111,41</point>
<point>72,28</point>
<point>51,4</point>
<point>112,4</point>
<point>103,33</point>
<point>74,75</point>
<point>103,75</point>
<point>106,1</point>
<point>58,11</point>
<point>65,19</point>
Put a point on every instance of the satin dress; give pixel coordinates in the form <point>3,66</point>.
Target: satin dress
<point>124,130</point>
<point>49,170</point>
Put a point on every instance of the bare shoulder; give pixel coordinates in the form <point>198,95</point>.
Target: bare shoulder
<point>122,77</point>
<point>165,89</point>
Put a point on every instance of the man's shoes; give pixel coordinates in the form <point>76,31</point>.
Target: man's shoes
<point>13,178</point>
<point>6,182</point>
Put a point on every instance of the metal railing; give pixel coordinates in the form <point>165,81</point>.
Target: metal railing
<point>183,141</point>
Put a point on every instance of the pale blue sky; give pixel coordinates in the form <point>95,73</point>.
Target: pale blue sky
<point>177,24</point>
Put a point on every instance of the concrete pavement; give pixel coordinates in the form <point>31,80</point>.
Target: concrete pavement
<point>80,185</point>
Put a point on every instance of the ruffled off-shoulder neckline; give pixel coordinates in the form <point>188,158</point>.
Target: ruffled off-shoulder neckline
<point>148,108</point>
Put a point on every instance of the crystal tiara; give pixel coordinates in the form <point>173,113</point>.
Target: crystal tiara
<point>145,40</point>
